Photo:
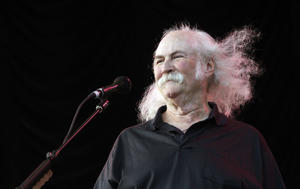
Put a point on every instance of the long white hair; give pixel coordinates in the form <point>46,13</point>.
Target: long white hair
<point>231,84</point>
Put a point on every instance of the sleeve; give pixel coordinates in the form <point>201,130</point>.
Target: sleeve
<point>259,165</point>
<point>110,175</point>
<point>272,178</point>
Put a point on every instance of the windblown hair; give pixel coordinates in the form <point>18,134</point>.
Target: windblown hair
<point>231,85</point>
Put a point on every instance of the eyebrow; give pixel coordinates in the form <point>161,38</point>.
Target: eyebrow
<point>172,54</point>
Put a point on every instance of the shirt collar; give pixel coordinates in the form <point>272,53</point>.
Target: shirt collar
<point>219,118</point>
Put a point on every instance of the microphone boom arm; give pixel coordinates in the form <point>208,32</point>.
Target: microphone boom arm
<point>43,171</point>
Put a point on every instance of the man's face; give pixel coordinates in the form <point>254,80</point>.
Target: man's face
<point>177,54</point>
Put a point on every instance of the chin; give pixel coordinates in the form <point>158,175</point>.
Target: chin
<point>171,90</point>
<point>171,93</point>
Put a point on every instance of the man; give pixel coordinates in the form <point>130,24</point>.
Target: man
<point>187,139</point>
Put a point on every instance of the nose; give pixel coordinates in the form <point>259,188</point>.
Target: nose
<point>167,66</point>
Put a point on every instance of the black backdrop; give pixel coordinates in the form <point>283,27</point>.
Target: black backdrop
<point>53,54</point>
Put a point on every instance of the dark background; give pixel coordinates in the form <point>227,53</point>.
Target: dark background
<point>53,54</point>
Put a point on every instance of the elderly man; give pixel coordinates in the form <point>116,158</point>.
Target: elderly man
<point>187,138</point>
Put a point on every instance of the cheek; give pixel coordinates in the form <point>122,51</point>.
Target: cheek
<point>157,73</point>
<point>186,67</point>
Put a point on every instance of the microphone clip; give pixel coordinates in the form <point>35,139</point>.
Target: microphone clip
<point>102,105</point>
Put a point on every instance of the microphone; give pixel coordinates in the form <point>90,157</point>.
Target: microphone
<point>121,85</point>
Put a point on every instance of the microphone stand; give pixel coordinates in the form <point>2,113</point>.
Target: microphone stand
<point>43,172</point>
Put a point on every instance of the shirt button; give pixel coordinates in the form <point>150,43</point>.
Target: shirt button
<point>180,146</point>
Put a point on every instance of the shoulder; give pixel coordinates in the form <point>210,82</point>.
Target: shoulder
<point>241,127</point>
<point>134,131</point>
<point>247,133</point>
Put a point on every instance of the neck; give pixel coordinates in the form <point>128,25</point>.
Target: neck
<point>182,112</point>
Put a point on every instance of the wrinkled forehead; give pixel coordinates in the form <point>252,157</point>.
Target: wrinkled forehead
<point>176,41</point>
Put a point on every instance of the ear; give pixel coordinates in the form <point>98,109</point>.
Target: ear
<point>210,67</point>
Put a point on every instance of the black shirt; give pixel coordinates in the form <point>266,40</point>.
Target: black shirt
<point>216,153</point>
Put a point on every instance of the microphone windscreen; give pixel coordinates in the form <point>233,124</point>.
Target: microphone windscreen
<point>124,84</point>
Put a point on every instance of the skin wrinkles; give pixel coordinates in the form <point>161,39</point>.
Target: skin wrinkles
<point>186,101</point>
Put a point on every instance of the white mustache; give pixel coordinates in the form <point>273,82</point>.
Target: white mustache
<point>173,76</point>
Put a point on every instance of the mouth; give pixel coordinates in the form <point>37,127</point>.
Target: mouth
<point>171,81</point>
<point>169,84</point>
<point>174,77</point>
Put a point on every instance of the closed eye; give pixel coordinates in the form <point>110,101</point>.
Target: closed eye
<point>158,61</point>
<point>178,56</point>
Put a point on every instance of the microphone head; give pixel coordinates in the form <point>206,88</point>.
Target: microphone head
<point>124,84</point>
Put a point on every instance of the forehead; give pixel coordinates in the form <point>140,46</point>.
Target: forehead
<point>176,41</point>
